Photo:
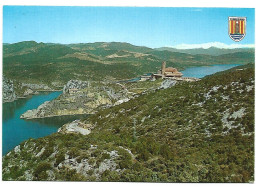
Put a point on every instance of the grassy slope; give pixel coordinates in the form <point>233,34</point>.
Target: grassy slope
<point>176,135</point>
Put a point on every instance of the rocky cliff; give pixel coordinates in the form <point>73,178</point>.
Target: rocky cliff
<point>81,97</point>
<point>75,85</point>
<point>9,94</point>
<point>85,97</point>
<point>14,89</point>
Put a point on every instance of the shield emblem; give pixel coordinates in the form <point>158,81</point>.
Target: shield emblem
<point>237,28</point>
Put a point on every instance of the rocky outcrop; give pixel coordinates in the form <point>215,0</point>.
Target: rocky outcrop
<point>76,127</point>
<point>167,83</point>
<point>121,101</point>
<point>36,86</point>
<point>28,91</point>
<point>36,113</point>
<point>80,97</point>
<point>15,90</point>
<point>8,90</point>
<point>75,84</point>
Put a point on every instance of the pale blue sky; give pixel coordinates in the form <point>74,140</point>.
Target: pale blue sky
<point>152,27</point>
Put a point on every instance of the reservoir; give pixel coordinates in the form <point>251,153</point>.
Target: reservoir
<point>16,130</point>
<point>198,71</point>
<point>202,71</point>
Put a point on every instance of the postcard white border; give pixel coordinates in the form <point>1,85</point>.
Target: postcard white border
<point>143,3</point>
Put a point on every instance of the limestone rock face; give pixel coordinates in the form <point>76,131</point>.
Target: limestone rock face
<point>28,91</point>
<point>76,127</point>
<point>121,101</point>
<point>8,90</point>
<point>81,97</point>
<point>36,113</point>
<point>36,86</point>
<point>167,83</point>
<point>75,84</point>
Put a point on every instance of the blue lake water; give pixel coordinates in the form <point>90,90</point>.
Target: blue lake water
<point>202,71</point>
<point>199,71</point>
<point>16,130</point>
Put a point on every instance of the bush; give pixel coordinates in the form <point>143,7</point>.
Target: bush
<point>74,152</point>
<point>96,153</point>
<point>125,164</point>
<point>40,170</point>
<point>47,152</point>
<point>105,156</point>
<point>137,166</point>
<point>125,159</point>
<point>110,176</point>
<point>59,158</point>
<point>71,175</point>
<point>165,151</point>
<point>143,155</point>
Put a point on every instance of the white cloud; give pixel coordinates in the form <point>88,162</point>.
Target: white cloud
<point>213,44</point>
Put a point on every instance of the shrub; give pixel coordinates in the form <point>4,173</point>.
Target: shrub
<point>82,156</point>
<point>137,166</point>
<point>105,156</point>
<point>40,170</point>
<point>47,152</point>
<point>143,155</point>
<point>74,152</point>
<point>125,163</point>
<point>59,158</point>
<point>90,172</point>
<point>71,175</point>
<point>165,151</point>
<point>96,153</point>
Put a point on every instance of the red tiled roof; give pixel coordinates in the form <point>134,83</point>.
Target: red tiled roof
<point>171,69</point>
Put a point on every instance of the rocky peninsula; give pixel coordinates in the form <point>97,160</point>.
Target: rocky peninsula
<point>81,97</point>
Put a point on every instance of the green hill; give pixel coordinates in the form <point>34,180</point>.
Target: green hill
<point>97,47</point>
<point>193,132</point>
<point>41,63</point>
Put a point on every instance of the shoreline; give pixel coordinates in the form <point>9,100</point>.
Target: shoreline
<point>25,97</point>
<point>55,116</point>
<point>48,91</point>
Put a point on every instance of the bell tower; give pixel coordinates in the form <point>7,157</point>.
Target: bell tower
<point>163,67</point>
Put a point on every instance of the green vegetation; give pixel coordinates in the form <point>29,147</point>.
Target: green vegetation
<point>56,64</point>
<point>193,132</point>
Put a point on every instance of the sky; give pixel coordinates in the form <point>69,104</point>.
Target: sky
<point>143,26</point>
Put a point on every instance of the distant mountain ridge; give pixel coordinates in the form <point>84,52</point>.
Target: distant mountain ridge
<point>209,51</point>
<point>215,51</point>
<point>44,63</point>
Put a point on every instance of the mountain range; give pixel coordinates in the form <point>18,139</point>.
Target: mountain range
<point>209,51</point>
<point>46,63</point>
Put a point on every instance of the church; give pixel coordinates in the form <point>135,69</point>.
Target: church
<point>167,72</point>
